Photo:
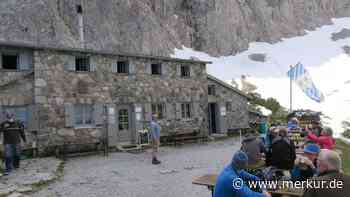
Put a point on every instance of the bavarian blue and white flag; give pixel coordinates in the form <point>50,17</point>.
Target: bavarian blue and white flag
<point>302,77</point>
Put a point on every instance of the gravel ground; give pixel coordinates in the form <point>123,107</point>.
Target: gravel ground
<point>133,175</point>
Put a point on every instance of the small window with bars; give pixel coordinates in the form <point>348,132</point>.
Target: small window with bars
<point>185,71</point>
<point>228,106</point>
<point>10,61</point>
<point>82,64</point>
<point>159,110</point>
<point>123,115</point>
<point>186,111</point>
<point>123,67</point>
<point>211,90</point>
<point>156,69</point>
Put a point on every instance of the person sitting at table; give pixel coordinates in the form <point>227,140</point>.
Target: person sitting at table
<point>253,147</point>
<point>228,183</point>
<point>329,165</point>
<point>283,151</point>
<point>325,141</point>
<point>305,164</point>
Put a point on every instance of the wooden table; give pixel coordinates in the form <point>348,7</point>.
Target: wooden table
<point>208,180</point>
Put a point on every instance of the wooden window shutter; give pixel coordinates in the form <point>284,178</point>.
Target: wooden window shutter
<point>178,111</point>
<point>169,108</point>
<point>196,109</point>
<point>93,64</point>
<point>69,114</point>
<point>114,67</point>
<point>70,64</point>
<point>2,115</point>
<point>33,118</point>
<point>132,68</point>
<point>178,70</point>
<point>148,112</point>
<point>149,68</point>
<point>25,60</point>
<point>98,114</point>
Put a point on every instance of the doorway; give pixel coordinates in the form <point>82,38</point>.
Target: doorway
<point>213,118</point>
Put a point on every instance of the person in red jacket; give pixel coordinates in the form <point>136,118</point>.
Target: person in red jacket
<point>325,141</point>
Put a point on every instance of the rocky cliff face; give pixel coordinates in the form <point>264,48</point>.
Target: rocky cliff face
<point>220,27</point>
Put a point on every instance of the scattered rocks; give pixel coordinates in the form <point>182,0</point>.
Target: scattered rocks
<point>346,49</point>
<point>168,171</point>
<point>343,34</point>
<point>258,57</point>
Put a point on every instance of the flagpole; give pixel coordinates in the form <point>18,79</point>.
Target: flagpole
<point>291,92</point>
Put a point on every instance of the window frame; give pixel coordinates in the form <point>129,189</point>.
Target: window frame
<point>212,90</point>
<point>228,106</point>
<point>185,73</point>
<point>159,109</point>
<point>122,123</point>
<point>10,54</point>
<point>84,58</point>
<point>86,108</point>
<point>159,69</point>
<point>186,110</point>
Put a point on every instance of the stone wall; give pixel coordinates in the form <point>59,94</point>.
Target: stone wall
<point>55,87</point>
<point>237,117</point>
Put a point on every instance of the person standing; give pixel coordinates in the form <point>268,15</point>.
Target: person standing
<point>155,135</point>
<point>13,131</point>
<point>263,127</point>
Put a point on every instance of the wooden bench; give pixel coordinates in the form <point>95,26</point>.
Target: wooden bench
<point>190,135</point>
<point>209,180</point>
<point>81,149</point>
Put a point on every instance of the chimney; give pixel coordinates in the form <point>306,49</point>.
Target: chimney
<point>79,9</point>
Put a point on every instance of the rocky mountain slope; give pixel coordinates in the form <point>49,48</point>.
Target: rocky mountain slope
<point>219,27</point>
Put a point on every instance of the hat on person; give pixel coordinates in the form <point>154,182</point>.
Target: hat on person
<point>312,149</point>
<point>9,115</point>
<point>240,160</point>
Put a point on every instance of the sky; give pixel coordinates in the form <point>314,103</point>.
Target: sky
<point>324,58</point>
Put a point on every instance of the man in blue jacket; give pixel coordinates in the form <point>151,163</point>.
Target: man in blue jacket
<point>230,181</point>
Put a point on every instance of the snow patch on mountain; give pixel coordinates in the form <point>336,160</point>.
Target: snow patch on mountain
<point>325,59</point>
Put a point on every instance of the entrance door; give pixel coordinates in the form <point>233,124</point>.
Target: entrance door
<point>212,117</point>
<point>124,124</point>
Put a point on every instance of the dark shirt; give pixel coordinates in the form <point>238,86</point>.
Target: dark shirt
<point>283,153</point>
<point>329,190</point>
<point>12,132</point>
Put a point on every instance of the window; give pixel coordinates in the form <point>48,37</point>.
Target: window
<point>10,61</point>
<point>186,110</point>
<point>159,109</point>
<point>20,113</point>
<point>211,90</point>
<point>122,67</point>
<point>82,64</point>
<point>228,106</point>
<point>79,9</point>
<point>83,114</point>
<point>185,71</point>
<point>123,119</point>
<point>156,69</point>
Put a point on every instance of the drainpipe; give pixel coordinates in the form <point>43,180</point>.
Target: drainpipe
<point>81,24</point>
